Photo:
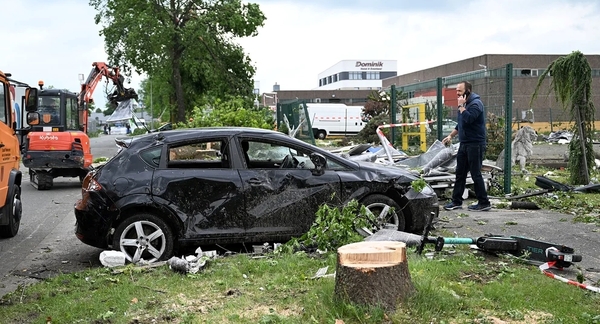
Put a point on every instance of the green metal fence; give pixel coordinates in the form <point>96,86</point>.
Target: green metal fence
<point>439,95</point>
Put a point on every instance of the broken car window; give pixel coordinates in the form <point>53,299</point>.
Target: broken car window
<point>262,154</point>
<point>201,155</point>
<point>152,156</point>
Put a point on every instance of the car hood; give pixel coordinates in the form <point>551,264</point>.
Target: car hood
<point>386,172</point>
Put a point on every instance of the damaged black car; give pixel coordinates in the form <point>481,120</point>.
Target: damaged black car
<point>231,185</point>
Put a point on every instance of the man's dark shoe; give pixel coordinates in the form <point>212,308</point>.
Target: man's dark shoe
<point>452,206</point>
<point>479,207</point>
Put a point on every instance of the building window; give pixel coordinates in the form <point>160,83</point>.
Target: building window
<point>335,78</point>
<point>355,75</point>
<point>373,76</point>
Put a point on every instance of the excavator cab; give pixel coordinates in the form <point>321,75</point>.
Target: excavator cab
<point>56,112</point>
<point>55,145</point>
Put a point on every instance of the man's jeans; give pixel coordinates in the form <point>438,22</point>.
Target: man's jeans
<point>469,159</point>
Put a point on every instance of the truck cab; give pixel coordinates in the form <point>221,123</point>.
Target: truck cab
<point>10,174</point>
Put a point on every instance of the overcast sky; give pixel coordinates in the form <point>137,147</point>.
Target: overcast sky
<point>55,40</point>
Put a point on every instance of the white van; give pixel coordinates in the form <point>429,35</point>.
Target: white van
<point>335,119</point>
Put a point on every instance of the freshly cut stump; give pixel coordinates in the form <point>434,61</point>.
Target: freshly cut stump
<point>373,273</point>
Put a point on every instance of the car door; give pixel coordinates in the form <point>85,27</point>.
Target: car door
<point>281,200</point>
<point>196,180</point>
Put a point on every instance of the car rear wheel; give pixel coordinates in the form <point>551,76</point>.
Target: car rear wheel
<point>144,236</point>
<point>386,212</point>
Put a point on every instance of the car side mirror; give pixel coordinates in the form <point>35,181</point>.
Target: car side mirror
<point>319,162</point>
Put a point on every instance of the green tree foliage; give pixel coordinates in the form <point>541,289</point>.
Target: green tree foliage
<point>368,133</point>
<point>334,227</point>
<point>158,97</point>
<point>378,111</point>
<point>572,85</point>
<point>188,44</point>
<point>378,102</point>
<point>236,111</point>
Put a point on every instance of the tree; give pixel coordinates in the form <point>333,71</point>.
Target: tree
<point>377,111</point>
<point>98,110</point>
<point>572,84</point>
<point>235,111</point>
<point>378,102</point>
<point>189,42</point>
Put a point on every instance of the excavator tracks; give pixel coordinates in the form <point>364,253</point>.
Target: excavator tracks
<point>41,180</point>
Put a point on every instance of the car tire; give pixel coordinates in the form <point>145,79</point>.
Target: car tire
<point>13,210</point>
<point>380,206</point>
<point>144,236</point>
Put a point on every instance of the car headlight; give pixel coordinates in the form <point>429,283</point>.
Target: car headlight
<point>427,190</point>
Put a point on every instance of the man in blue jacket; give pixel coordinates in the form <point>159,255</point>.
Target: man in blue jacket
<point>472,138</point>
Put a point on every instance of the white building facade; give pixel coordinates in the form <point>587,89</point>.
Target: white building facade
<point>357,75</point>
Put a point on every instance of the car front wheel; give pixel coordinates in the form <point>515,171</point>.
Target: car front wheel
<point>144,236</point>
<point>386,212</point>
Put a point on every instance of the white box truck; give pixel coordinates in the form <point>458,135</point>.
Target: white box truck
<point>331,119</point>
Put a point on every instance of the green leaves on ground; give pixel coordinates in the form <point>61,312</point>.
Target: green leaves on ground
<point>334,227</point>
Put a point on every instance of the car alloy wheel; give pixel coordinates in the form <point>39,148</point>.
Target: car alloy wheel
<point>144,237</point>
<point>385,211</point>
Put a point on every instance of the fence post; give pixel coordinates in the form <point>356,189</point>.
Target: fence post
<point>393,111</point>
<point>440,109</point>
<point>278,115</point>
<point>508,129</point>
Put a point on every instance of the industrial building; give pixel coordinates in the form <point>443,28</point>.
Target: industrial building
<point>526,70</point>
<point>341,83</point>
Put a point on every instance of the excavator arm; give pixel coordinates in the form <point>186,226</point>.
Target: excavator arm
<point>99,70</point>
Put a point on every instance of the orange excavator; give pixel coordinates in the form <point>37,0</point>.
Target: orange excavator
<point>57,144</point>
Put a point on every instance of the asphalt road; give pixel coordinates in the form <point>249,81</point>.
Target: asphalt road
<point>46,245</point>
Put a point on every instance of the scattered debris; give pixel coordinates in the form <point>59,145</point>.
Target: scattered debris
<point>521,148</point>
<point>191,263</point>
<point>561,137</point>
<point>322,273</point>
<point>112,258</point>
<point>555,264</point>
<point>141,267</point>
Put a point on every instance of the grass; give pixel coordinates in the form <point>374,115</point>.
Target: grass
<point>462,288</point>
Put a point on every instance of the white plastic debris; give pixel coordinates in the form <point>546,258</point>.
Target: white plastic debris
<point>188,264</point>
<point>112,258</point>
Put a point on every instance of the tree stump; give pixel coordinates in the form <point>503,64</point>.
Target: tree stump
<point>373,273</point>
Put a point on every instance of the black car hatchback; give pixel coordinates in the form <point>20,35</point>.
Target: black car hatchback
<point>231,185</point>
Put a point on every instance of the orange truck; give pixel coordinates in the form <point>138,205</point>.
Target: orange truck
<point>10,161</point>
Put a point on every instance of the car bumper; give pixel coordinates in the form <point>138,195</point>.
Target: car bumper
<point>94,220</point>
